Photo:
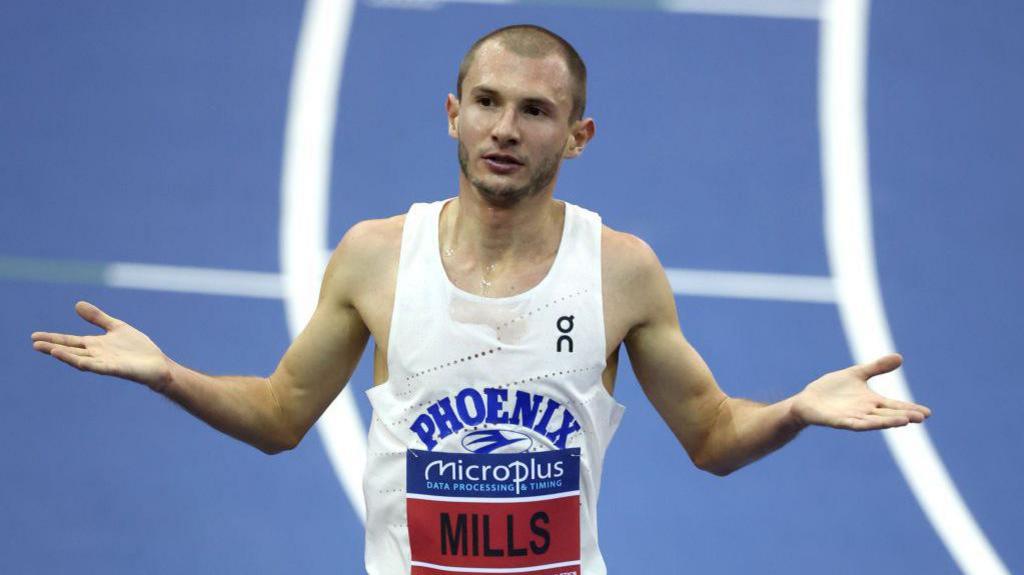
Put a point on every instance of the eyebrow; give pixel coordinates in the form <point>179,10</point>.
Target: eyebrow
<point>534,100</point>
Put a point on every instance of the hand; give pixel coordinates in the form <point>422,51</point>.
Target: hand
<point>122,351</point>
<point>843,400</point>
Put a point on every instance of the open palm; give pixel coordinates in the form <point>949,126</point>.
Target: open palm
<point>122,351</point>
<point>842,399</point>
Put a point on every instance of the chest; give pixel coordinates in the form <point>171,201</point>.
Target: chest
<point>376,307</point>
<point>493,281</point>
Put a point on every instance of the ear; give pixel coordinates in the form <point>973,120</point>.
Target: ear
<point>451,106</point>
<point>582,132</point>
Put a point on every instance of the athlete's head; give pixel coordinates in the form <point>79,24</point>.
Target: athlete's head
<point>535,42</point>
<point>518,110</point>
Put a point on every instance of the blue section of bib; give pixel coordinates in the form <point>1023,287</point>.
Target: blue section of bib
<point>492,475</point>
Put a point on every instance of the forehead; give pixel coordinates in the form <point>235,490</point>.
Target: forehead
<point>500,68</point>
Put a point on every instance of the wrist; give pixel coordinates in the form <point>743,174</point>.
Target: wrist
<point>794,413</point>
<point>166,377</point>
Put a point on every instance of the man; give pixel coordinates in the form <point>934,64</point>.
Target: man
<point>497,318</point>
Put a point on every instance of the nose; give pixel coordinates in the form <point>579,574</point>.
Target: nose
<point>505,131</point>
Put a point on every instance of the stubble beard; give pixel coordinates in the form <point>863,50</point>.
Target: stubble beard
<point>508,196</point>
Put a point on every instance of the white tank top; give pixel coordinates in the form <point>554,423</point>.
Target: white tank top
<point>487,440</point>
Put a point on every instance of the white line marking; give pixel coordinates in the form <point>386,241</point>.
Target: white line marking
<point>747,285</point>
<point>494,569</point>
<point>684,282</point>
<point>851,252</point>
<point>193,280</point>
<point>427,4</point>
<point>305,183</point>
<point>800,9</point>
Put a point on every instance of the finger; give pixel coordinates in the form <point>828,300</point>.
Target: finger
<point>84,363</point>
<point>96,316</point>
<point>907,406</point>
<point>884,421</point>
<point>79,362</point>
<point>47,347</point>
<point>58,338</point>
<point>913,416</point>
<point>872,422</point>
<point>855,424</point>
<point>883,364</point>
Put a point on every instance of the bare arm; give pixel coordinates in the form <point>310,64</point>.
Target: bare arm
<point>722,433</point>
<point>271,413</point>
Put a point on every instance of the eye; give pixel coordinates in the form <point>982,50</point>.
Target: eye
<point>484,101</point>
<point>534,110</point>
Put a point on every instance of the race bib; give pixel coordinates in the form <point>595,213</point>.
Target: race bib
<point>497,512</point>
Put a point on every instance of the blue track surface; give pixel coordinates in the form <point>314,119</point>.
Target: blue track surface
<point>153,132</point>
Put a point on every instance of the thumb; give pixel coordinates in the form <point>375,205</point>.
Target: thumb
<point>96,316</point>
<point>884,364</point>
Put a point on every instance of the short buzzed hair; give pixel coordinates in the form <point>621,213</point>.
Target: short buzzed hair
<point>535,42</point>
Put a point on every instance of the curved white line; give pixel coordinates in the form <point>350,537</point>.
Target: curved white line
<point>305,180</point>
<point>851,254</point>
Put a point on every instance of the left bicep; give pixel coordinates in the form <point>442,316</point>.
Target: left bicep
<point>673,375</point>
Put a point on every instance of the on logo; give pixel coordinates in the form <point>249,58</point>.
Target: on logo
<point>564,325</point>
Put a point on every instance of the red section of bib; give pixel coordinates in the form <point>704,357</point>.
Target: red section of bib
<point>494,535</point>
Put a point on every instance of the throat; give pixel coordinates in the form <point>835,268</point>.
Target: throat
<point>497,255</point>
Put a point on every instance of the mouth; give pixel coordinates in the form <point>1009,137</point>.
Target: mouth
<point>502,160</point>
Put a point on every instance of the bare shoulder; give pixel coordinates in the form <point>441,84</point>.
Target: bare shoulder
<point>366,257</point>
<point>633,281</point>
<point>373,237</point>
<point>626,259</point>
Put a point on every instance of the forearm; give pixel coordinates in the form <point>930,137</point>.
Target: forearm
<point>745,431</point>
<point>245,408</point>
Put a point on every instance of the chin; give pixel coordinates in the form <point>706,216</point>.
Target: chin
<point>502,198</point>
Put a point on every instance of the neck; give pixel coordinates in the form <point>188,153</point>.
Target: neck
<point>491,235</point>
